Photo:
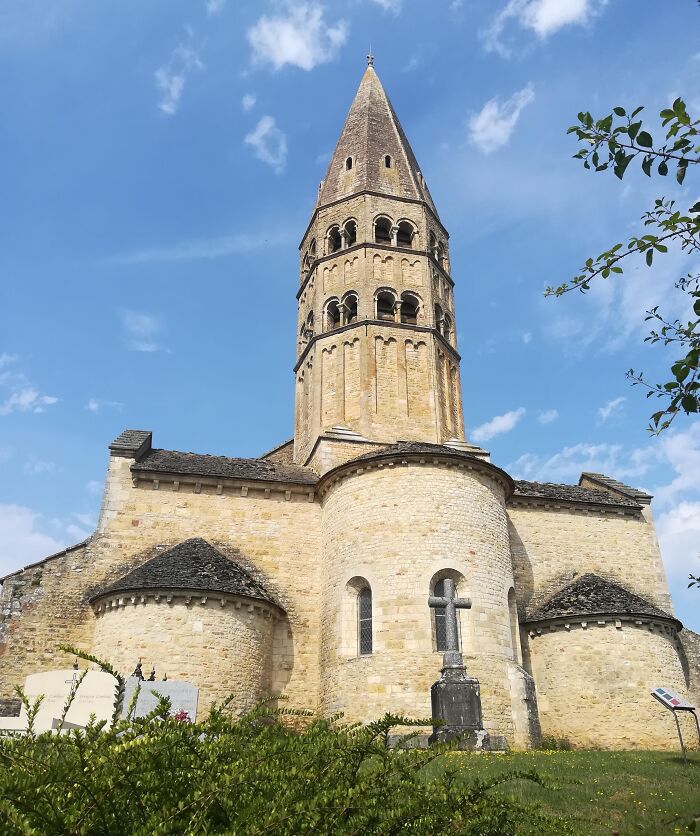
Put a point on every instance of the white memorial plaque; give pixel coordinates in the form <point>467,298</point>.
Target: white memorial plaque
<point>183,697</point>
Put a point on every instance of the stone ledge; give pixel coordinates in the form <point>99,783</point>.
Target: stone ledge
<point>188,597</point>
<point>224,486</point>
<point>594,621</point>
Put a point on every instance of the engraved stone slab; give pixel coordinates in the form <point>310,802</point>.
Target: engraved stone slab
<point>94,696</point>
<point>183,696</point>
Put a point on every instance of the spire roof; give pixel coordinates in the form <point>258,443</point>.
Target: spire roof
<point>371,132</point>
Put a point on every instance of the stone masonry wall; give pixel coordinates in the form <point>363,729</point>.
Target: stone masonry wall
<point>553,546</point>
<point>222,649</point>
<point>276,532</point>
<point>399,528</point>
<point>594,683</point>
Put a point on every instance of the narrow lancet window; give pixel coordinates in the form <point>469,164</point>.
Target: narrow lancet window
<point>364,609</point>
<point>387,161</point>
<point>348,164</point>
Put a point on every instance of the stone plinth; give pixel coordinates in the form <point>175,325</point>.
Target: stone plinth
<point>456,701</point>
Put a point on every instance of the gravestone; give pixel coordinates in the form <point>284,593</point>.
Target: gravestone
<point>183,696</point>
<point>94,696</point>
<point>455,697</point>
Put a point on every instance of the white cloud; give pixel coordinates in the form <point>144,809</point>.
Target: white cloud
<point>543,17</point>
<point>215,6</point>
<point>569,463</point>
<point>548,416</point>
<point>17,393</point>
<point>491,128</point>
<point>248,101</point>
<point>142,331</point>
<point>93,487</point>
<point>206,248</point>
<point>170,78</point>
<point>498,425</point>
<point>678,531</point>
<point>526,337</point>
<point>611,408</point>
<point>95,405</point>
<point>269,143</point>
<point>22,541</point>
<point>681,449</point>
<point>299,37</point>
<point>389,5</point>
<point>36,466</point>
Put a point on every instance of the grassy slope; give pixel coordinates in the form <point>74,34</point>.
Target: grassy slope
<point>603,792</point>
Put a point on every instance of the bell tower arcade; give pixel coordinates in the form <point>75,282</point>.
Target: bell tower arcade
<point>376,340</point>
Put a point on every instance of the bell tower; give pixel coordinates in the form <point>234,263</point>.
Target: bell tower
<point>376,340</point>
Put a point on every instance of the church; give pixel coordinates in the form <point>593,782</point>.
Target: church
<point>306,573</point>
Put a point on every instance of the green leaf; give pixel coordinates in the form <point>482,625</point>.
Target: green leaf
<point>689,403</point>
<point>644,139</point>
<point>633,129</point>
<point>650,256</point>
<point>663,168</point>
<point>646,166</point>
<point>619,111</point>
<point>680,173</point>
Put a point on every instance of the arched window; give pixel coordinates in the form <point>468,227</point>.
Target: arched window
<point>437,588</point>
<point>387,161</point>
<point>364,621</point>
<point>332,315</point>
<point>348,164</point>
<point>447,327</point>
<point>312,248</point>
<point>404,236</point>
<point>386,303</point>
<point>441,256</point>
<point>409,309</point>
<point>334,240</point>
<point>438,318</point>
<point>350,229</point>
<point>350,305</point>
<point>382,231</point>
<point>432,245</point>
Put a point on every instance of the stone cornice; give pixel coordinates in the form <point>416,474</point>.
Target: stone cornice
<point>190,597</point>
<point>363,323</point>
<point>224,484</point>
<point>391,459</point>
<point>537,627</point>
<point>550,504</point>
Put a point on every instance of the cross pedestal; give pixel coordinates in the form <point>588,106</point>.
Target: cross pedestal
<point>455,697</point>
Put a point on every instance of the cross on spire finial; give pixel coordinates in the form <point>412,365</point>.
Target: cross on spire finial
<point>370,57</point>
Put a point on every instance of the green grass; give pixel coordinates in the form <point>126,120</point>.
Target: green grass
<point>602,792</point>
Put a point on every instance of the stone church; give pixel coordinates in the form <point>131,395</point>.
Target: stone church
<point>306,572</point>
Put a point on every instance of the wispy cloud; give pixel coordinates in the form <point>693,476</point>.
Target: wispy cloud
<point>214,7</point>
<point>393,6</point>
<point>299,37</point>
<point>171,77</point>
<point>543,17</point>
<point>22,539</point>
<point>95,405</point>
<point>17,393</point>
<point>498,425</point>
<point>248,101</point>
<point>611,408</point>
<point>491,128</point>
<point>34,466</point>
<point>142,331</point>
<point>269,143</point>
<point>93,487</point>
<point>548,416</point>
<point>681,449</point>
<point>570,462</point>
<point>210,248</point>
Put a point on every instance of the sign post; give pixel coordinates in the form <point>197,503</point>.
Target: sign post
<point>676,703</point>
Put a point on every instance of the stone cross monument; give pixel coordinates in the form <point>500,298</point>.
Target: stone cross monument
<point>455,696</point>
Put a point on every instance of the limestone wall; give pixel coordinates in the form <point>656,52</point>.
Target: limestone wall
<point>551,546</point>
<point>275,527</point>
<point>399,527</point>
<point>220,643</point>
<point>594,683</point>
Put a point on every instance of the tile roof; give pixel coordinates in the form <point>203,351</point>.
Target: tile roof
<point>569,493</point>
<point>197,464</point>
<point>131,443</point>
<point>415,447</point>
<point>593,595</point>
<point>192,565</point>
<point>607,481</point>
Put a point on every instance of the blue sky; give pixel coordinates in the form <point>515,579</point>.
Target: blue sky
<point>160,164</point>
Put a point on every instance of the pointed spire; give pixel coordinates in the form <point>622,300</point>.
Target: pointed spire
<point>373,153</point>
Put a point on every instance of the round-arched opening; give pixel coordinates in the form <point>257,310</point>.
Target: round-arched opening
<point>334,240</point>
<point>350,305</point>
<point>387,161</point>
<point>350,229</point>
<point>404,236</point>
<point>447,330</point>
<point>442,256</point>
<point>348,164</point>
<point>439,614</point>
<point>332,315</point>
<point>409,309</point>
<point>385,305</point>
<point>312,248</point>
<point>439,318</point>
<point>382,231</point>
<point>360,628</point>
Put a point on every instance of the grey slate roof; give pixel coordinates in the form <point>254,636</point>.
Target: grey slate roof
<point>607,481</point>
<point>593,595</point>
<point>415,447</point>
<point>192,565</point>
<point>131,443</point>
<point>570,493</point>
<point>197,464</point>
<point>371,131</point>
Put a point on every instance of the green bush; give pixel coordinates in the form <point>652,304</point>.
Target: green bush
<point>558,744</point>
<point>253,775</point>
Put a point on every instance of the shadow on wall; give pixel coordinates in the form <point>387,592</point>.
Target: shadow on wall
<point>522,572</point>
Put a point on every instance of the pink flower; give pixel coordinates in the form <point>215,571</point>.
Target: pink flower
<point>182,716</point>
